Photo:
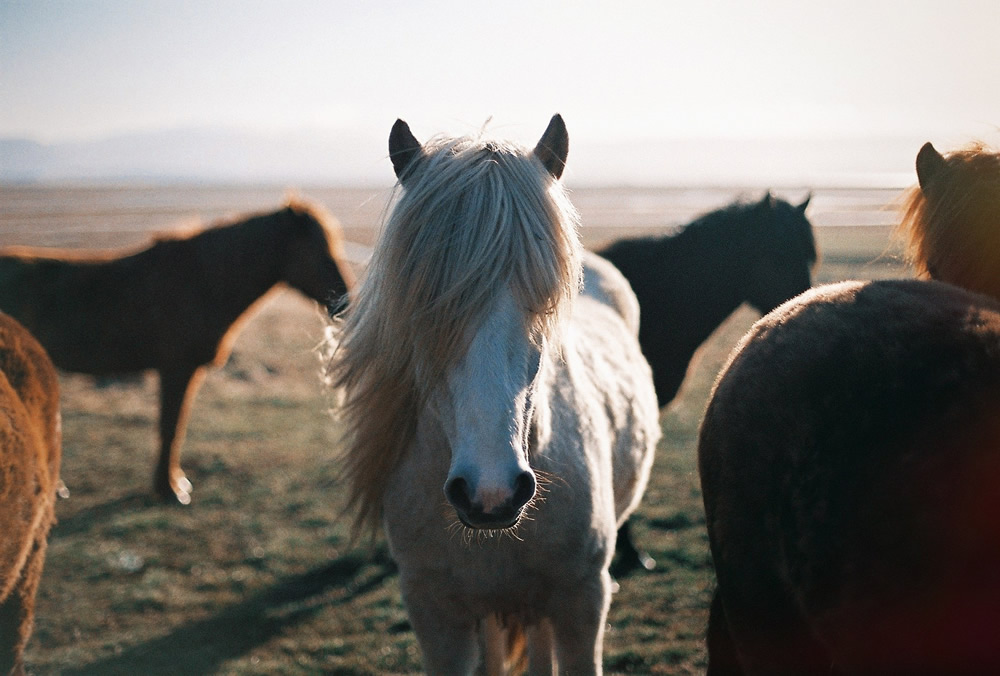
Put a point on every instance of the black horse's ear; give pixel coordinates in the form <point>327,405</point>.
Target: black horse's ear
<point>553,147</point>
<point>404,148</point>
<point>929,164</point>
<point>767,201</point>
<point>805,203</point>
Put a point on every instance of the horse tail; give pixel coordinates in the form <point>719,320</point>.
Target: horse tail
<point>504,646</point>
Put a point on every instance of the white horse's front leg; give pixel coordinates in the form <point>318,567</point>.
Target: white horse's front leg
<point>578,619</point>
<point>448,640</point>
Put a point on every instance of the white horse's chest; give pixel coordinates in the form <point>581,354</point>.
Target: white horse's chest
<point>568,532</point>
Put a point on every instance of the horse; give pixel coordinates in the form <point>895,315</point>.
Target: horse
<point>30,452</point>
<point>175,306</point>
<point>500,421</point>
<point>689,281</point>
<point>850,456</point>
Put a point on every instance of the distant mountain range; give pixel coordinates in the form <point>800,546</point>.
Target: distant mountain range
<point>211,155</point>
<point>196,155</point>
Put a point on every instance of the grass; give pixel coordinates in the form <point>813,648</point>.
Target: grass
<point>257,576</point>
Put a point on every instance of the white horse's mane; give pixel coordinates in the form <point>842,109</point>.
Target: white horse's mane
<point>474,219</point>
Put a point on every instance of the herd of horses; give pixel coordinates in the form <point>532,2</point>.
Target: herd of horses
<point>500,391</point>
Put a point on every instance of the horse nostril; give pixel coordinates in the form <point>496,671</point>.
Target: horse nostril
<point>457,492</point>
<point>524,489</point>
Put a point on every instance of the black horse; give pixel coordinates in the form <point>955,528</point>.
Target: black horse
<point>690,281</point>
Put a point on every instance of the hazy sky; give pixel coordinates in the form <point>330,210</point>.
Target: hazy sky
<point>616,70</point>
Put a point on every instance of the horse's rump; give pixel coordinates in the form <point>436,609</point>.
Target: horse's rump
<point>29,470</point>
<point>849,459</point>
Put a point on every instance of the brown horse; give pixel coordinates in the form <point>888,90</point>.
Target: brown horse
<point>850,459</point>
<point>29,470</point>
<point>175,306</point>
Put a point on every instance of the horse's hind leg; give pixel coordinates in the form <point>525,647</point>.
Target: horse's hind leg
<point>13,635</point>
<point>177,391</point>
<point>760,631</point>
<point>627,556</point>
<point>17,610</point>
<point>722,657</point>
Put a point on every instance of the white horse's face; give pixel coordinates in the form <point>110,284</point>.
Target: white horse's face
<point>486,414</point>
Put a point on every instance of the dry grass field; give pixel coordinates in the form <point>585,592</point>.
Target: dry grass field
<point>257,575</point>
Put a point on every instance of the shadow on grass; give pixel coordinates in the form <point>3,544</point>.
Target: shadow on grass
<point>85,519</point>
<point>202,646</point>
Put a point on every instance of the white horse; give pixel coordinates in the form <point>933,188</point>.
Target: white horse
<point>501,423</point>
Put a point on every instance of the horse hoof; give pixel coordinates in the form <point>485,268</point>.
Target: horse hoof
<point>178,493</point>
<point>184,497</point>
<point>647,561</point>
<point>631,561</point>
<point>182,491</point>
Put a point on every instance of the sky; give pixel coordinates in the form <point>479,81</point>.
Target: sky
<point>624,74</point>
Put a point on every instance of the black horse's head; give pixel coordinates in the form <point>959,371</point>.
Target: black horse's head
<point>781,252</point>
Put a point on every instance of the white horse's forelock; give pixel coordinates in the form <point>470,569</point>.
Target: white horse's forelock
<point>474,218</point>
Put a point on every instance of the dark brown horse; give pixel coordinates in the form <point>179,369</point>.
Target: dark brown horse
<point>29,471</point>
<point>690,281</point>
<point>850,459</point>
<point>175,306</point>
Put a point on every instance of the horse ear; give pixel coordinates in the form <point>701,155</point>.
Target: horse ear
<point>767,201</point>
<point>553,147</point>
<point>802,207</point>
<point>929,164</point>
<point>404,148</point>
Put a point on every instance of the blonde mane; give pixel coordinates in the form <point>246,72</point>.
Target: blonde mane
<point>951,228</point>
<point>475,218</point>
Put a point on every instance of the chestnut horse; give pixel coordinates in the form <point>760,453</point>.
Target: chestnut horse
<point>688,282</point>
<point>502,421</point>
<point>175,306</point>
<point>29,471</point>
<point>850,458</point>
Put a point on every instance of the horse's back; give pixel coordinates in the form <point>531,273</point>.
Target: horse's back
<point>849,458</point>
<point>92,314</point>
<point>605,283</point>
<point>114,312</point>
